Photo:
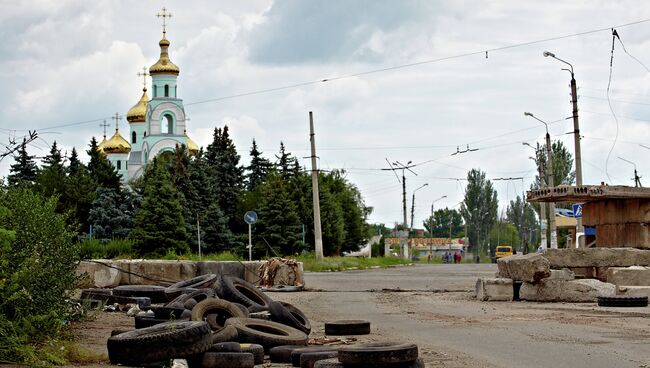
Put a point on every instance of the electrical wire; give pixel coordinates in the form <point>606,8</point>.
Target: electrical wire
<point>380,70</point>
<point>609,102</point>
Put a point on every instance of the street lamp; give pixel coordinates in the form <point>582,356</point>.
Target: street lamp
<point>478,228</point>
<point>542,206</point>
<point>431,225</point>
<point>576,132</point>
<point>549,170</point>
<point>413,203</point>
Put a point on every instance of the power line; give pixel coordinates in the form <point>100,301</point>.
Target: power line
<point>379,70</point>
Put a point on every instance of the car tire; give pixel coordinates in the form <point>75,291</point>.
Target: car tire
<point>266,333</point>
<point>378,354</point>
<point>160,342</point>
<point>240,291</point>
<point>623,301</point>
<point>153,292</point>
<point>289,315</point>
<point>347,327</point>
<point>282,353</point>
<point>255,349</point>
<point>198,282</point>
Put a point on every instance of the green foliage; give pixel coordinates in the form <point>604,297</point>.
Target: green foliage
<point>310,263</point>
<point>159,225</point>
<point>217,257</point>
<point>101,170</point>
<point>50,179</point>
<point>479,208</point>
<point>112,213</point>
<point>503,233</point>
<point>23,172</point>
<point>445,221</point>
<point>79,194</point>
<point>37,274</point>
<point>258,169</point>
<point>97,249</point>
<point>562,164</point>
<point>522,215</point>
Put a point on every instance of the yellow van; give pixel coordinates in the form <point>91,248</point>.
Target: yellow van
<point>503,251</point>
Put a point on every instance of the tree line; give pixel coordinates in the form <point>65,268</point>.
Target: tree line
<point>183,197</point>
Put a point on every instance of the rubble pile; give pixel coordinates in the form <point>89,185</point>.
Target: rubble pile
<point>570,275</point>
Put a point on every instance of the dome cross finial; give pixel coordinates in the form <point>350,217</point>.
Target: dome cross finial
<point>117,118</point>
<point>104,125</point>
<point>164,14</point>
<point>144,76</point>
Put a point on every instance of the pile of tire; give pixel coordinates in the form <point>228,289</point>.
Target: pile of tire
<point>211,321</point>
<point>394,355</point>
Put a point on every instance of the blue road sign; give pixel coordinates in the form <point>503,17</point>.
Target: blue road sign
<point>250,217</point>
<point>577,210</point>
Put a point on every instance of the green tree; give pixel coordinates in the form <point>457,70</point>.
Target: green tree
<point>522,215</point>
<point>284,164</point>
<point>562,164</point>
<point>226,174</point>
<point>101,170</point>
<point>159,225</point>
<point>23,172</point>
<point>112,213</point>
<point>73,162</point>
<point>258,169</point>
<point>503,233</point>
<point>50,180</point>
<point>79,194</point>
<point>279,223</point>
<point>479,208</point>
<point>444,221</point>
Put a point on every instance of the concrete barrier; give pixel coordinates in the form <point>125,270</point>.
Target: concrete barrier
<point>111,273</point>
<point>575,291</point>
<point>633,290</point>
<point>494,289</point>
<point>629,276</point>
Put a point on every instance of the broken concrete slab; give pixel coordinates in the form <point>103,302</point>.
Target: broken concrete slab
<point>153,271</point>
<point>494,289</point>
<point>525,267</point>
<point>563,274</point>
<point>232,268</point>
<point>597,257</point>
<point>630,276</point>
<point>98,274</point>
<point>633,290</point>
<point>575,291</point>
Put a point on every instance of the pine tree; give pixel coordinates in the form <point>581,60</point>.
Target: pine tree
<point>112,212</point>
<point>50,179</point>
<point>159,225</point>
<point>226,174</point>
<point>284,162</point>
<point>258,169</point>
<point>73,162</point>
<point>101,170</point>
<point>79,194</point>
<point>279,223</point>
<point>23,172</point>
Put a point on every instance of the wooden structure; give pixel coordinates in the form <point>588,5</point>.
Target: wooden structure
<point>620,214</point>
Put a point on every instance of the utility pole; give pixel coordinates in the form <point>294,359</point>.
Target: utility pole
<point>413,204</point>
<point>637,178</point>
<point>318,236</point>
<point>551,205</point>
<point>398,165</point>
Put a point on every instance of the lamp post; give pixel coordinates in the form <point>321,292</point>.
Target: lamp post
<point>431,225</point>
<point>576,133</point>
<point>542,206</point>
<point>413,203</point>
<point>549,171</point>
<point>478,229</point>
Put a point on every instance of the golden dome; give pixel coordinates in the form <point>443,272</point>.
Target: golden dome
<point>191,146</point>
<point>138,112</point>
<point>100,146</point>
<point>116,144</point>
<point>164,65</point>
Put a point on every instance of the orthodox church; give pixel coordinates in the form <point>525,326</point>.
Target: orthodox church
<point>156,125</point>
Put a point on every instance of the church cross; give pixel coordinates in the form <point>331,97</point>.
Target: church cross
<point>164,14</point>
<point>117,118</point>
<point>144,76</point>
<point>104,125</point>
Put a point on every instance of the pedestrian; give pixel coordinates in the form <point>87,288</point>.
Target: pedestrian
<point>478,258</point>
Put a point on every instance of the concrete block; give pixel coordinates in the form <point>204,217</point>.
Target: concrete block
<point>574,291</point>
<point>233,268</point>
<point>494,289</point>
<point>525,267</point>
<point>252,271</point>
<point>156,270</point>
<point>95,275</point>
<point>629,276</point>
<point>597,257</point>
<point>563,274</point>
<point>633,290</point>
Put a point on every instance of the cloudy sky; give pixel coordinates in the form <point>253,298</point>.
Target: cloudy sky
<point>63,63</point>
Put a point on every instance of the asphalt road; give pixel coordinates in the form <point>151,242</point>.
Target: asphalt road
<point>432,305</point>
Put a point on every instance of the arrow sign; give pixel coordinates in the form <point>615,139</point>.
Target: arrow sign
<point>250,217</point>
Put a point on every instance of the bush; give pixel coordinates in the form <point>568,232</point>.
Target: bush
<point>37,273</point>
<point>97,249</point>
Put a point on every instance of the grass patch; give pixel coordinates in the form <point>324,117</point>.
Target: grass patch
<point>310,263</point>
<point>219,257</point>
<point>61,352</point>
